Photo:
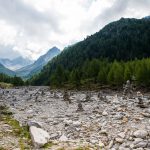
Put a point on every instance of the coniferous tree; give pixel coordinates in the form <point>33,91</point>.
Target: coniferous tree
<point>58,77</point>
<point>75,77</point>
<point>127,72</point>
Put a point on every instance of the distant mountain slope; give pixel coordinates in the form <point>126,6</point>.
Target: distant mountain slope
<point>16,63</point>
<point>38,64</point>
<point>147,17</point>
<point>125,39</point>
<point>6,71</point>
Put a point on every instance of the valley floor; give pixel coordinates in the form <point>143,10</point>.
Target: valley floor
<point>108,124</point>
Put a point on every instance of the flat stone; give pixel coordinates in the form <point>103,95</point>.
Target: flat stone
<point>119,140</point>
<point>122,135</point>
<point>54,136</point>
<point>63,138</point>
<point>141,144</point>
<point>76,123</point>
<point>146,115</point>
<point>140,134</point>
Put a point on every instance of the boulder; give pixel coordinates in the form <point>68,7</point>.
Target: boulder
<point>39,136</point>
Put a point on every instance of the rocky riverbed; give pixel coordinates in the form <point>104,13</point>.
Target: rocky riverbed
<point>107,122</point>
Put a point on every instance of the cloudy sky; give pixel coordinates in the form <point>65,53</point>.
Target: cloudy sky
<point>30,27</point>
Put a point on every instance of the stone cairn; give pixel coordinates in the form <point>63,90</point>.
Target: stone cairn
<point>140,99</point>
<point>42,93</point>
<point>51,93</point>
<point>36,98</point>
<point>1,96</point>
<point>66,97</point>
<point>25,91</point>
<point>88,97</point>
<point>128,90</point>
<point>101,97</point>
<point>80,107</point>
<point>55,95</point>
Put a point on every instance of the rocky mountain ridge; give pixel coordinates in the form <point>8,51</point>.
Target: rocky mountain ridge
<point>36,67</point>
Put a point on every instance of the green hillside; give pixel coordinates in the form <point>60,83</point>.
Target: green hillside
<point>6,71</point>
<point>123,40</point>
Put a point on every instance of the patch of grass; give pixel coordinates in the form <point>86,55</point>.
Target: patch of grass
<point>21,143</point>
<point>5,85</point>
<point>13,123</point>
<point>21,132</point>
<point>48,145</point>
<point>61,149</point>
<point>2,148</point>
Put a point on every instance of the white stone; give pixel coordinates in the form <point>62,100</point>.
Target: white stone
<point>104,113</point>
<point>39,136</point>
<point>140,134</point>
<point>68,122</point>
<point>29,111</point>
<point>122,135</point>
<point>101,144</point>
<point>76,123</point>
<point>137,140</point>
<point>119,140</point>
<point>63,138</point>
<point>93,141</point>
<point>141,144</point>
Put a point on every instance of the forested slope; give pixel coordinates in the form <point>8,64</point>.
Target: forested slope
<point>123,40</point>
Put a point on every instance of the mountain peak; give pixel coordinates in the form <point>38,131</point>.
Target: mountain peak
<point>54,49</point>
<point>16,63</point>
<point>39,63</point>
<point>147,17</point>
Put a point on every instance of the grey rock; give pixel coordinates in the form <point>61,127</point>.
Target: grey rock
<point>34,123</point>
<point>140,134</point>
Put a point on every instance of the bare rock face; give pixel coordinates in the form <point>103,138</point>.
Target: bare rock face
<point>39,136</point>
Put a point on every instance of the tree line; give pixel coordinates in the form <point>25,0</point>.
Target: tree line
<point>103,72</point>
<point>16,81</point>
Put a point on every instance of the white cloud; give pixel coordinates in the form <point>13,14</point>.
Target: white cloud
<point>31,27</point>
